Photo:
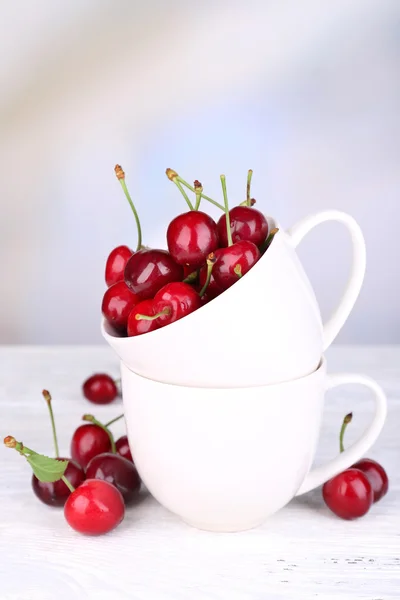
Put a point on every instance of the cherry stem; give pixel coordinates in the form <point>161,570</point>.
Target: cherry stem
<point>172,175</point>
<point>121,177</point>
<point>245,203</point>
<point>210,263</point>
<point>93,420</point>
<point>269,239</point>
<point>198,188</point>
<point>238,271</point>
<point>47,397</point>
<point>228,221</point>
<point>191,277</point>
<point>165,311</point>
<point>346,421</point>
<point>248,186</point>
<point>114,420</point>
<point>11,442</point>
<point>68,484</point>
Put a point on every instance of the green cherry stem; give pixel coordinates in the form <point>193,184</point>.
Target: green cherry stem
<point>92,419</point>
<point>165,311</point>
<point>210,263</point>
<point>11,442</point>
<point>173,176</point>
<point>346,421</point>
<point>114,420</point>
<point>47,397</point>
<point>198,188</point>
<point>68,484</point>
<point>121,178</point>
<point>238,271</point>
<point>191,277</point>
<point>228,221</point>
<point>248,186</point>
<point>269,239</point>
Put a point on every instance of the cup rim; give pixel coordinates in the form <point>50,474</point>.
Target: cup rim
<point>104,326</point>
<point>322,366</point>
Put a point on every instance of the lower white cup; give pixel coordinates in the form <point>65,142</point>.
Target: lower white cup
<point>226,459</point>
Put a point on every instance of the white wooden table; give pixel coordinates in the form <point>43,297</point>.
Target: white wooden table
<point>303,552</point>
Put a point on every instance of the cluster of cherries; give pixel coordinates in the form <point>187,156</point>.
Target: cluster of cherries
<point>150,288</point>
<point>351,493</point>
<point>100,478</point>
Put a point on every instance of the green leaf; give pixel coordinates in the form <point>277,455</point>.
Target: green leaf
<point>47,469</point>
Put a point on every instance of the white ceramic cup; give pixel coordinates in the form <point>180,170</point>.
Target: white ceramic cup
<point>226,459</point>
<point>264,329</point>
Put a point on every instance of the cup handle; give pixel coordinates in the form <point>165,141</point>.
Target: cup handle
<point>353,286</point>
<point>345,459</point>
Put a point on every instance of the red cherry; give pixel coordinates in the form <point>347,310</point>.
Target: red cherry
<point>56,493</point>
<point>177,300</point>
<point>246,224</point>
<point>191,237</point>
<point>116,470</point>
<point>140,326</point>
<point>88,441</point>
<point>123,448</point>
<point>234,262</point>
<point>213,289</point>
<point>100,389</point>
<point>349,495</point>
<point>147,271</point>
<point>376,475</point>
<point>115,265</point>
<point>95,507</point>
<point>118,301</point>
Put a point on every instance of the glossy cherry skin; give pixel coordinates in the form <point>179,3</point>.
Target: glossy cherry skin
<point>116,470</point>
<point>147,271</point>
<point>56,493</point>
<point>246,224</point>
<point>377,476</point>
<point>116,263</point>
<point>95,507</point>
<point>349,495</point>
<point>123,448</point>
<point>180,298</point>
<point>100,388</point>
<point>245,254</point>
<point>191,237</point>
<point>138,327</point>
<point>88,441</point>
<point>213,289</point>
<point>118,301</point>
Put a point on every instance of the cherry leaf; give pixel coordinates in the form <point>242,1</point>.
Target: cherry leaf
<point>47,469</point>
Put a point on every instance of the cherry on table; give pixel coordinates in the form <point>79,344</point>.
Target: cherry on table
<point>118,301</point>
<point>123,448</point>
<point>247,224</point>
<point>147,271</point>
<point>95,507</point>
<point>56,493</point>
<point>88,441</point>
<point>191,236</point>
<point>376,475</point>
<point>116,263</point>
<point>349,495</point>
<point>100,388</point>
<point>117,470</point>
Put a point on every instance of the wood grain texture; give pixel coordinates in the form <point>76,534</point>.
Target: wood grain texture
<point>303,552</point>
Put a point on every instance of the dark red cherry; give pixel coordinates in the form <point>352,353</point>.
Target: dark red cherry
<point>234,262</point>
<point>147,271</point>
<point>349,495</point>
<point>246,224</point>
<point>118,301</point>
<point>123,449</point>
<point>116,470</point>
<point>138,326</point>
<point>88,441</point>
<point>116,263</point>
<point>376,475</point>
<point>191,237</point>
<point>100,389</point>
<point>95,507</point>
<point>56,493</point>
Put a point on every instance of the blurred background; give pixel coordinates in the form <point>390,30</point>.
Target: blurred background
<point>307,94</point>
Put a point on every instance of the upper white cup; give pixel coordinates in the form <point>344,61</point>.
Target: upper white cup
<point>264,329</point>
<point>226,459</point>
